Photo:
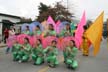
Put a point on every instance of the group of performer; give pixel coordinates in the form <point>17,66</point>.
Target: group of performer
<point>45,46</point>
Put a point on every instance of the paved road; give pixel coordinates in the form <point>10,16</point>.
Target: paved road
<point>86,64</point>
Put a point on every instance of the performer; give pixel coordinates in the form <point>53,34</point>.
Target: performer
<point>70,54</point>
<point>25,51</point>
<point>15,50</point>
<point>51,54</point>
<point>67,31</point>
<point>37,31</point>
<point>27,31</point>
<point>6,34</point>
<point>85,45</point>
<point>51,31</point>
<point>37,53</point>
<point>64,35</point>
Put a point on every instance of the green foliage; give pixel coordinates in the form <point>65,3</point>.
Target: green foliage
<point>58,12</point>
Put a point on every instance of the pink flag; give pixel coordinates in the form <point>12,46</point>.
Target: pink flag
<point>57,26</point>
<point>51,21</point>
<point>80,30</point>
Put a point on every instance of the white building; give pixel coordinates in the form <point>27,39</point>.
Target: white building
<point>5,19</point>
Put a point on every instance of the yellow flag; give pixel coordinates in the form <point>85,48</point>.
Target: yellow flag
<point>94,33</point>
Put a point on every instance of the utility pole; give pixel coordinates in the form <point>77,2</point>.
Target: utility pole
<point>67,4</point>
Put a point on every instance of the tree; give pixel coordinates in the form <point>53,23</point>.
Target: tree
<point>42,12</point>
<point>42,8</point>
<point>89,22</point>
<point>62,13</point>
<point>58,12</point>
<point>25,20</point>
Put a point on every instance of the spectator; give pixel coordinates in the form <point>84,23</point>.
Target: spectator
<point>6,34</point>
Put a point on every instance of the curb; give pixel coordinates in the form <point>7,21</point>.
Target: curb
<point>1,46</point>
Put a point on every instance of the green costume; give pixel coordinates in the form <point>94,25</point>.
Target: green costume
<point>65,33</point>
<point>51,56</point>
<point>15,51</point>
<point>50,33</point>
<point>27,32</point>
<point>73,28</point>
<point>37,55</point>
<point>69,57</point>
<point>25,53</point>
<point>38,32</point>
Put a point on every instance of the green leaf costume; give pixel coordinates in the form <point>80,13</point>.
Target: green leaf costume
<point>65,33</point>
<point>37,32</point>
<point>50,33</point>
<point>73,28</point>
<point>25,53</point>
<point>15,51</point>
<point>37,55</point>
<point>27,32</point>
<point>51,55</point>
<point>69,57</point>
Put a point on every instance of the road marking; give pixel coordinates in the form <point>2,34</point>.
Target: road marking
<point>47,67</point>
<point>44,69</point>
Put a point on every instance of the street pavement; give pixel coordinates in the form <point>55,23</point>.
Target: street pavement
<point>86,64</point>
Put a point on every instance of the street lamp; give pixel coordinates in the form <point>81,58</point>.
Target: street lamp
<point>66,3</point>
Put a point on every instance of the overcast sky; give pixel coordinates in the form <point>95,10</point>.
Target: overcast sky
<point>29,8</point>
